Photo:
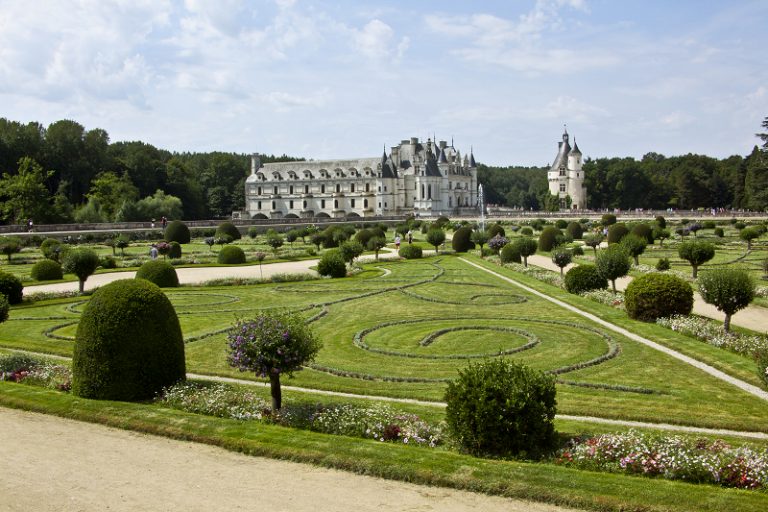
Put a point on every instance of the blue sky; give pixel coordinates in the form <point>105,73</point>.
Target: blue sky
<point>344,78</point>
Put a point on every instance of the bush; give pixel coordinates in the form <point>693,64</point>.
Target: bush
<point>160,273</point>
<point>177,231</point>
<point>11,287</point>
<point>436,237</point>
<point>231,255</point>
<point>510,253</point>
<point>441,222</point>
<point>584,278</point>
<point>662,264</point>
<point>634,245</point>
<point>709,224</point>
<point>661,222</point>
<point>363,236</point>
<point>696,253</point>
<point>548,237</point>
<point>52,249</point>
<point>643,231</point>
<point>227,229</point>
<point>739,225</point>
<point>175,250</point>
<point>719,233</point>
<point>612,264</point>
<point>525,247</point>
<point>561,224</point>
<point>608,219</point>
<point>332,264</point>
<point>128,344</point>
<point>578,251</point>
<point>46,270</point>
<point>496,229</point>
<point>728,289</point>
<point>526,231</point>
<point>749,234</point>
<point>575,230</point>
<point>616,232</point>
<point>4,308</point>
<point>10,245</point>
<point>410,252</point>
<point>501,408</point>
<point>350,250</point>
<point>655,295</point>
<point>108,262</point>
<point>81,262</point>
<point>462,240</point>
<point>561,257</point>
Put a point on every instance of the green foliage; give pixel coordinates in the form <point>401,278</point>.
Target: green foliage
<point>655,295</point>
<point>108,262</point>
<point>332,264</point>
<point>462,239</point>
<point>661,222</point>
<point>561,224</point>
<point>719,233</point>
<point>441,222</point>
<point>526,231</point>
<point>128,344</point>
<point>593,240</point>
<point>525,246</point>
<point>501,408</point>
<point>11,287</point>
<point>81,262</point>
<point>548,238</point>
<point>436,237</point>
<point>228,229</point>
<point>634,245</point>
<point>410,252</point>
<point>480,238</point>
<point>495,229</point>
<point>375,244</point>
<point>761,358</point>
<point>662,264</point>
<point>608,219</point>
<point>10,245</point>
<point>350,250</point>
<point>24,194</point>
<point>583,278</point>
<point>575,230</point>
<point>4,309</point>
<point>46,270</point>
<point>174,251</point>
<point>274,240</point>
<point>177,231</point>
<point>612,264</point>
<point>577,251</point>
<point>52,248</point>
<point>231,255</point>
<point>644,231</point>
<point>616,232</point>
<point>561,257</point>
<point>728,289</point>
<point>749,234</point>
<point>159,272</point>
<point>696,253</point>
<point>363,236</point>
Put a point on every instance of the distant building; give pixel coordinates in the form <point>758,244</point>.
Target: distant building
<point>566,178</point>
<point>420,178</point>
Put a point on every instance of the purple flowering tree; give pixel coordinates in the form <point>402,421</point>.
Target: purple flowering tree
<point>270,345</point>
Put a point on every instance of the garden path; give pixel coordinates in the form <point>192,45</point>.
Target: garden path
<point>88,467</point>
<point>752,317</point>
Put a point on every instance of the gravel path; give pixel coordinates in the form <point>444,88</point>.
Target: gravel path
<point>57,464</point>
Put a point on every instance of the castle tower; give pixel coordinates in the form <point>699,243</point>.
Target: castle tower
<point>566,177</point>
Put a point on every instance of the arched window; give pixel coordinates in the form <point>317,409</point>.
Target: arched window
<point>259,193</point>
<point>367,187</point>
<point>365,203</point>
<point>290,189</point>
<point>429,191</point>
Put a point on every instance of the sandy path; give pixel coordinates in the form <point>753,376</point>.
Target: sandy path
<point>57,464</point>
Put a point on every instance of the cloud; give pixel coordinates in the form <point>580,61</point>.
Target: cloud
<point>375,41</point>
<point>283,101</point>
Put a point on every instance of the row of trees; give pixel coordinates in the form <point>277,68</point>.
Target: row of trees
<point>65,173</point>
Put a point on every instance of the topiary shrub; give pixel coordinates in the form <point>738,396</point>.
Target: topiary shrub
<point>496,229</point>
<point>462,239</point>
<point>575,230</point>
<point>52,248</point>
<point>501,408</point>
<point>655,295</point>
<point>643,231</point>
<point>578,251</point>
<point>728,289</point>
<point>561,224</point>
<point>159,272</point>
<point>662,264</point>
<point>548,238</point>
<point>174,252</point>
<point>4,308</point>
<point>510,253</point>
<point>83,263</point>
<point>661,221</point>
<point>177,231</point>
<point>108,262</point>
<point>608,219</point>
<point>46,270</point>
<point>231,255</point>
<point>11,287</point>
<point>719,233</point>
<point>128,344</point>
<point>696,253</point>
<point>616,232</point>
<point>410,252</point>
<point>332,264</point>
<point>526,231</point>
<point>227,229</point>
<point>584,278</point>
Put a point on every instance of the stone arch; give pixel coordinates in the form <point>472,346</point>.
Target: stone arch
<point>259,216</point>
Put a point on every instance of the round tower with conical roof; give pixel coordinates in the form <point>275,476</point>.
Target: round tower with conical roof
<point>566,176</point>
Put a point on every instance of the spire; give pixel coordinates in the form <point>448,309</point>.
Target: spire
<point>565,134</point>
<point>451,140</point>
<point>575,149</point>
<point>471,158</point>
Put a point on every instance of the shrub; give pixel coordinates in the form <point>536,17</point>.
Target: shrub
<point>363,236</point>
<point>578,251</point>
<point>177,231</point>
<point>746,234</point>
<point>231,255</point>
<point>616,232</point>
<point>480,238</point>
<point>46,270</point>
<point>501,408</point>
<point>561,224</point>
<point>376,244</point>
<point>108,262</point>
<point>410,252</point>
<point>709,224</point>
<point>612,264</point>
<point>661,222</point>
<point>11,287</point>
<point>643,231</point>
<point>561,257</point>
<point>81,262</point>
<point>510,253</point>
<point>526,231</point>
<point>739,225</point>
<point>497,243</point>
<point>634,245</point>
<point>584,278</point>
<point>158,272</point>
<point>728,289</point>
<point>10,245</point>
<point>608,219</point>
<point>593,240</point>
<point>662,264</point>
<point>696,253</point>
<point>526,247</point>
<point>654,295</point>
<point>441,222</point>
<point>350,250</point>
<point>462,239</point>
<point>719,233</point>
<point>227,229</point>
<point>575,230</point>
<point>128,344</point>
<point>52,248</point>
<point>496,229</point>
<point>332,264</point>
<point>548,237</point>
<point>761,357</point>
<point>4,308</point>
<point>253,232</point>
<point>174,252</point>
<point>436,237</point>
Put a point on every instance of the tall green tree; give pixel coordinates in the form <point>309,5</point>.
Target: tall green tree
<point>25,195</point>
<point>756,180</point>
<point>110,191</point>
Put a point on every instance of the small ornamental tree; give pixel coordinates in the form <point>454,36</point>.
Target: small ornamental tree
<point>749,234</point>
<point>496,243</point>
<point>121,242</point>
<point>81,262</point>
<point>661,222</point>
<point>375,244</point>
<point>594,240</point>
<point>635,246</point>
<point>612,264</point>
<point>561,257</point>
<point>272,344</point>
<point>526,247</point>
<point>163,248</point>
<point>480,238</point>
<point>728,289</point>
<point>209,241</point>
<point>495,229</point>
<point>350,250</point>
<point>436,238</point>
<point>52,249</point>
<point>616,232</point>
<point>291,236</point>
<point>10,245</point>
<point>317,239</point>
<point>274,240</point>
<point>260,258</point>
<point>4,308</point>
<point>510,253</point>
<point>661,234</point>
<point>575,229</point>
<point>696,253</point>
<point>332,264</point>
<point>548,238</point>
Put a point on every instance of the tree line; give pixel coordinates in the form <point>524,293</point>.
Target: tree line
<point>65,173</point>
<point>653,182</point>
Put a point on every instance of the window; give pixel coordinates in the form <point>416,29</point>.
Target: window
<point>322,189</point>
<point>306,189</point>
<point>385,189</point>
<point>562,171</point>
<point>259,193</point>
<point>429,191</point>
<point>335,203</point>
<point>290,189</point>
<point>259,203</point>
<point>338,188</point>
<point>352,187</point>
<point>275,190</point>
<point>273,205</point>
<point>562,187</point>
<point>379,191</point>
<point>365,203</point>
<point>304,205</point>
<point>379,204</point>
<point>322,203</point>
<point>352,203</point>
<point>367,187</point>
<point>290,204</point>
<point>450,202</point>
<point>422,191</point>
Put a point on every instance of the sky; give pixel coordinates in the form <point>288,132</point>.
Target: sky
<point>343,79</point>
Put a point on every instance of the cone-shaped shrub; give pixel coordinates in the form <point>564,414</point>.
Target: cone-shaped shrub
<point>159,272</point>
<point>548,238</point>
<point>462,239</point>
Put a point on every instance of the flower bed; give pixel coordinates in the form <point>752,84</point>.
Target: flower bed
<point>536,273</point>
<point>713,333</point>
<point>37,372</point>
<point>606,297</point>
<point>670,457</point>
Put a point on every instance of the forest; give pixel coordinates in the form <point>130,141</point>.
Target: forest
<point>64,173</point>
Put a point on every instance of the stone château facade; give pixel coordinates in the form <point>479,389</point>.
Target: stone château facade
<point>566,178</point>
<point>418,178</point>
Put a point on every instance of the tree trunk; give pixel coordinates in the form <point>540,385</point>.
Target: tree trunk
<point>613,285</point>
<point>695,270</point>
<point>727,322</point>
<point>525,260</point>
<point>82,285</point>
<point>637,260</point>
<point>277,396</point>
<point>561,271</point>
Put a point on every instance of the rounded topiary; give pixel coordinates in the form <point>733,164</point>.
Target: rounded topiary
<point>548,238</point>
<point>510,253</point>
<point>462,239</point>
<point>175,250</point>
<point>410,252</point>
<point>496,229</point>
<point>719,233</point>
<point>662,264</point>
<point>616,232</point>
<point>584,278</point>
<point>177,231</point>
<point>231,255</point>
<point>655,295</point>
<point>608,219</point>
<point>52,248</point>
<point>11,287</point>
<point>46,270</point>
<point>128,344</point>
<point>4,308</point>
<point>644,231</point>
<point>502,408</point>
<point>159,272</point>
<point>526,231</point>
<point>228,229</point>
<point>332,264</point>
<point>561,224</point>
<point>575,229</point>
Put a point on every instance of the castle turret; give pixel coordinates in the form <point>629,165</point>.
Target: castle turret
<point>255,163</point>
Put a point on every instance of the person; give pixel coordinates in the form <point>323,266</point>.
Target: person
<point>397,242</point>
<point>153,223</point>
<point>165,221</point>
<point>410,237</point>
<point>29,225</point>
<point>153,252</point>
